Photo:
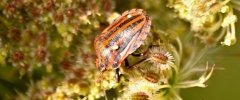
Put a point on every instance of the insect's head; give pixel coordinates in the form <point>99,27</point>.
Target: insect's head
<point>100,66</point>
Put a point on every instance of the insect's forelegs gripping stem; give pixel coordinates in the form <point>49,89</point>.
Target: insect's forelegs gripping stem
<point>118,75</point>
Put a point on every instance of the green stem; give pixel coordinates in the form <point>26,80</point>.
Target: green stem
<point>221,35</point>
<point>194,59</point>
<point>180,49</point>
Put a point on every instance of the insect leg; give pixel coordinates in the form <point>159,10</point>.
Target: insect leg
<point>126,63</point>
<point>118,75</point>
<point>105,93</point>
<point>137,63</point>
<point>142,53</point>
<point>137,54</point>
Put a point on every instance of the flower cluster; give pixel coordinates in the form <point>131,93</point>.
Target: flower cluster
<point>207,18</point>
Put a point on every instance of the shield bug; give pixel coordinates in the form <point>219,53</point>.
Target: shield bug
<point>121,38</point>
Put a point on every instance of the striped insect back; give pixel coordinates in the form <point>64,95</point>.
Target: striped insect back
<point>121,38</point>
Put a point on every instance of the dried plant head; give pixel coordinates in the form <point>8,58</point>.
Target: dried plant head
<point>152,77</point>
<point>153,74</point>
<point>146,87</point>
<point>139,96</point>
<point>139,88</point>
<point>160,57</point>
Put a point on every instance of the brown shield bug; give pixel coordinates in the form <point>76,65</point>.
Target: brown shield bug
<point>121,38</point>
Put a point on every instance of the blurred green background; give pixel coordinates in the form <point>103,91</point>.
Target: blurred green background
<point>225,82</point>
